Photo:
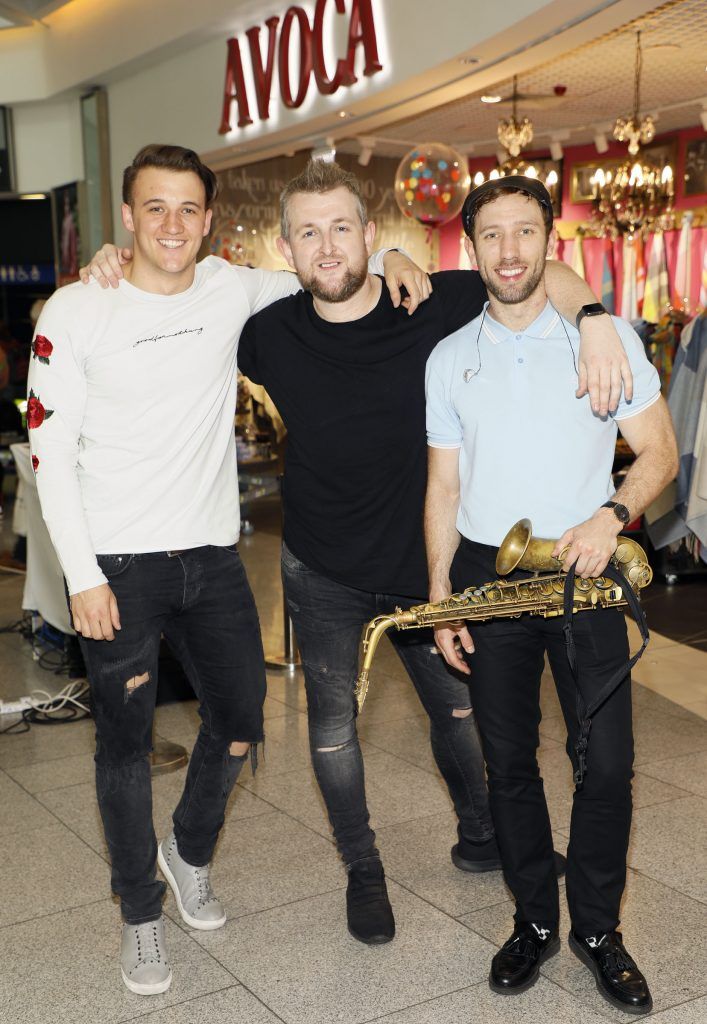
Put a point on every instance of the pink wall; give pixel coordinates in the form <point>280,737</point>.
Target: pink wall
<point>592,247</point>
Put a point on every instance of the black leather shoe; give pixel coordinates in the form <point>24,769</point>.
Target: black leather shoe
<point>516,966</point>
<point>617,977</point>
<point>486,857</point>
<point>368,910</point>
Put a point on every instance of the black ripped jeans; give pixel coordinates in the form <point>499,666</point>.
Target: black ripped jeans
<point>328,618</point>
<point>201,601</point>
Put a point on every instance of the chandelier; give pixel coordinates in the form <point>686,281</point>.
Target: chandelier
<point>515,135</point>
<point>637,195</point>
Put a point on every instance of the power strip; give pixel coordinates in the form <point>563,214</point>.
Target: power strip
<point>15,707</point>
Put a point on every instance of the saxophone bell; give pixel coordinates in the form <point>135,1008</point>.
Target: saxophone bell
<point>520,550</point>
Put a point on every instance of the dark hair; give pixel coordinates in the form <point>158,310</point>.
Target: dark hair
<point>318,177</point>
<point>490,191</point>
<point>171,158</point>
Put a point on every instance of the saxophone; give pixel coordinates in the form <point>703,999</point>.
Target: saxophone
<point>541,594</point>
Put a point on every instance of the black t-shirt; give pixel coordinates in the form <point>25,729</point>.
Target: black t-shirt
<point>352,396</point>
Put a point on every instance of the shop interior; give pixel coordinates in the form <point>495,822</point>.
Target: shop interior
<point>607,105</point>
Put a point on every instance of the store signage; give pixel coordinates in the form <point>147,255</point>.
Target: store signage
<point>27,273</point>
<point>311,60</point>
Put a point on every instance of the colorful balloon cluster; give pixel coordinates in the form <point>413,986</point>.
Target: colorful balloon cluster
<point>431,183</point>
<point>238,243</point>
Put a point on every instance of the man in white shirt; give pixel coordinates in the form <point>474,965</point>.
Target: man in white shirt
<point>508,439</point>
<point>131,404</point>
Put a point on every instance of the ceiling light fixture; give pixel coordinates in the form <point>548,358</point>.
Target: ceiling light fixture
<point>637,195</point>
<point>490,98</point>
<point>515,134</point>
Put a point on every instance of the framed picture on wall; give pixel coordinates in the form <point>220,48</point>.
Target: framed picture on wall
<point>581,187</point>
<point>662,153</point>
<point>695,172</point>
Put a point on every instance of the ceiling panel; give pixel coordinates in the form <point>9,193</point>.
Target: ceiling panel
<point>598,78</point>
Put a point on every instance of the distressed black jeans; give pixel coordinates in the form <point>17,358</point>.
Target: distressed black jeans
<point>200,600</point>
<point>328,618</point>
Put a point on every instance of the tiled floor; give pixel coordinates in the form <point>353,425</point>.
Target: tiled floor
<point>285,954</point>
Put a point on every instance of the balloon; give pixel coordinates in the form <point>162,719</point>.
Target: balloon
<point>238,242</point>
<point>431,183</point>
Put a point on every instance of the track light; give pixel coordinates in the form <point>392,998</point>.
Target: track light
<point>327,153</point>
<point>368,144</point>
<point>601,142</point>
<point>556,150</point>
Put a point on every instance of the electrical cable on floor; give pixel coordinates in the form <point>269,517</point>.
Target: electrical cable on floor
<point>69,705</point>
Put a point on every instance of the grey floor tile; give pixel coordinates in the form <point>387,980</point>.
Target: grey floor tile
<point>417,855</point>
<point>545,1002</point>
<point>669,843</point>
<point>225,1007</point>
<point>688,772</point>
<point>20,811</point>
<point>77,807</point>
<point>46,870</point>
<point>664,931</point>
<point>62,771</point>
<point>693,1012</point>
<point>302,963</point>
<point>396,791</point>
<point>68,966</point>
<point>270,861</point>
<point>407,738</point>
<point>45,743</point>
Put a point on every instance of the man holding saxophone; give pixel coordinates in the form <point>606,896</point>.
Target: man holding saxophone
<point>507,438</point>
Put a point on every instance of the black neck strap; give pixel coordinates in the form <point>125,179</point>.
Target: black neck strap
<point>586,712</point>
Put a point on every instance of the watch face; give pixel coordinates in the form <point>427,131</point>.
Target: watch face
<point>623,513</point>
<point>593,309</point>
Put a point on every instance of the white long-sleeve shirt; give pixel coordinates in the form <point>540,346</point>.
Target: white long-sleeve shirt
<point>132,397</point>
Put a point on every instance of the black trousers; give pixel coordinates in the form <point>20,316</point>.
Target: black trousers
<point>505,683</point>
<point>201,601</point>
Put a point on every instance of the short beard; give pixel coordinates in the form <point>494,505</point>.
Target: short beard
<point>513,294</point>
<point>352,282</point>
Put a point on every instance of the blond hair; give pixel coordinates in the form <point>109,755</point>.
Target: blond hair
<point>318,177</point>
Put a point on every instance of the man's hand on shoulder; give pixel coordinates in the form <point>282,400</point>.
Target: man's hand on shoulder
<point>106,266</point>
<point>603,365</point>
<point>590,544</point>
<point>95,613</point>
<point>400,271</point>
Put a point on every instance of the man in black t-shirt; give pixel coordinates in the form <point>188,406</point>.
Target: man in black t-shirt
<point>345,369</point>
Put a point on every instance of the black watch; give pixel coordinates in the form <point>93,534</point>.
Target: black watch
<point>591,309</point>
<point>620,511</point>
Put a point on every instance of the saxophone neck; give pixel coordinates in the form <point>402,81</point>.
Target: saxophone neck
<point>374,631</point>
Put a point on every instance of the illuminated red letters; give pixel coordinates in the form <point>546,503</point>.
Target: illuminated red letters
<point>311,60</point>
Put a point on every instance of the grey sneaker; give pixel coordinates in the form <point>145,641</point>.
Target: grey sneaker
<point>191,887</point>
<point>143,958</point>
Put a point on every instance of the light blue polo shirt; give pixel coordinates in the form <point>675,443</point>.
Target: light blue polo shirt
<point>528,446</point>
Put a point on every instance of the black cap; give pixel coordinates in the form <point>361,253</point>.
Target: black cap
<point>512,182</point>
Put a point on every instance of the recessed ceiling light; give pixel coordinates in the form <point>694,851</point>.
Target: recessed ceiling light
<point>490,99</point>
<point>663,46</point>
<point>469,60</point>
<point>344,113</point>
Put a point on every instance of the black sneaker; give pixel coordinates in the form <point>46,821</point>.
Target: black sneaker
<point>368,910</point>
<point>618,979</point>
<point>479,857</point>
<point>516,966</point>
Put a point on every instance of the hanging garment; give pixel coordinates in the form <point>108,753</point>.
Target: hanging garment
<point>682,508</point>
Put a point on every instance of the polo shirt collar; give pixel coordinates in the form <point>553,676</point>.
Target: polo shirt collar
<point>542,327</point>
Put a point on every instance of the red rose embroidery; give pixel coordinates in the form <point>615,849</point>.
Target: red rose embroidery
<point>42,349</point>
<point>35,463</point>
<point>36,413</point>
